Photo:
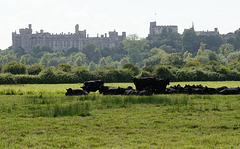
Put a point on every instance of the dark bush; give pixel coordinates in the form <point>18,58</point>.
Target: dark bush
<point>132,67</point>
<point>82,74</point>
<point>48,76</point>
<point>64,67</point>
<point>7,79</point>
<point>164,72</point>
<point>27,79</point>
<point>15,68</point>
<point>34,69</point>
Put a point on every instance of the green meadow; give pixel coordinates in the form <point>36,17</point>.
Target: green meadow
<point>41,116</point>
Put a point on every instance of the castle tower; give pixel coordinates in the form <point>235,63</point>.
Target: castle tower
<point>26,36</point>
<point>193,25</point>
<point>152,26</point>
<point>77,29</point>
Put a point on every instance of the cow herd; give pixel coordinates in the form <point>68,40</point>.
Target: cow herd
<point>149,86</point>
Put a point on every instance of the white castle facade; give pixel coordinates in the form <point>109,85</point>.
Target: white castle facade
<point>27,40</point>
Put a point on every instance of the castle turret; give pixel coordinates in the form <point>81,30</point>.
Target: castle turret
<point>77,29</point>
<point>152,26</point>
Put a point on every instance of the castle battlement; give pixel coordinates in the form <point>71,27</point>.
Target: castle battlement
<point>64,41</point>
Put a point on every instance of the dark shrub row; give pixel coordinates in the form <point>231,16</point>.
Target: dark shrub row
<point>49,76</point>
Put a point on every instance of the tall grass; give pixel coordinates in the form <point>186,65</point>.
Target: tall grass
<point>121,101</point>
<point>72,109</point>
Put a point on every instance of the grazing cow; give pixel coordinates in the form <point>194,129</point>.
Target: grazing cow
<point>152,84</point>
<point>71,92</point>
<point>143,83</point>
<point>160,85</point>
<point>92,86</point>
<point>230,91</point>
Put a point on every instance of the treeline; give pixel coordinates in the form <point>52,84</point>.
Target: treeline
<point>17,73</point>
<point>185,57</point>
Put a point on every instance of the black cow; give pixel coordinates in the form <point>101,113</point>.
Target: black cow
<point>71,92</point>
<point>230,91</point>
<point>92,86</point>
<point>207,90</point>
<point>107,90</point>
<point>160,85</point>
<point>144,82</point>
<point>145,93</point>
<point>171,90</point>
<point>155,85</point>
<point>130,92</point>
<point>219,89</point>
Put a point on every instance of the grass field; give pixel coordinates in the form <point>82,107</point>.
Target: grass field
<point>60,89</point>
<point>40,116</point>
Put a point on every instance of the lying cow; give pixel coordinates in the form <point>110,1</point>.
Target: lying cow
<point>92,86</point>
<point>107,90</point>
<point>71,92</point>
<point>230,91</point>
<point>138,92</point>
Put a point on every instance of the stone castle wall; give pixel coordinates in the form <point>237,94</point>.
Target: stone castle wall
<point>157,30</point>
<point>27,40</point>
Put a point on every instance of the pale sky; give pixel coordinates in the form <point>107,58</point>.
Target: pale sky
<point>101,16</point>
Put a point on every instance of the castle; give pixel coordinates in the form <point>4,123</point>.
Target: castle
<point>27,40</point>
<point>157,30</point>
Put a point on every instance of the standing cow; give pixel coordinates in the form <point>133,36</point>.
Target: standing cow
<point>92,86</point>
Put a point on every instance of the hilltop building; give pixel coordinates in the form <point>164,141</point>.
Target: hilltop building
<point>208,33</point>
<point>27,40</point>
<point>157,30</point>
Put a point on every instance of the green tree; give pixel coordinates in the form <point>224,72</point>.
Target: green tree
<point>27,59</point>
<point>53,61</point>
<point>135,69</point>
<point>92,66</point>
<point>64,67</point>
<point>237,38</point>
<point>15,68</point>
<point>96,56</point>
<point>34,69</point>
<point>225,49</point>
<point>7,58</point>
<point>19,52</point>
<point>44,59</point>
<point>88,50</point>
<point>71,50</point>
<point>135,48</point>
<point>190,41</point>
<point>163,72</point>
